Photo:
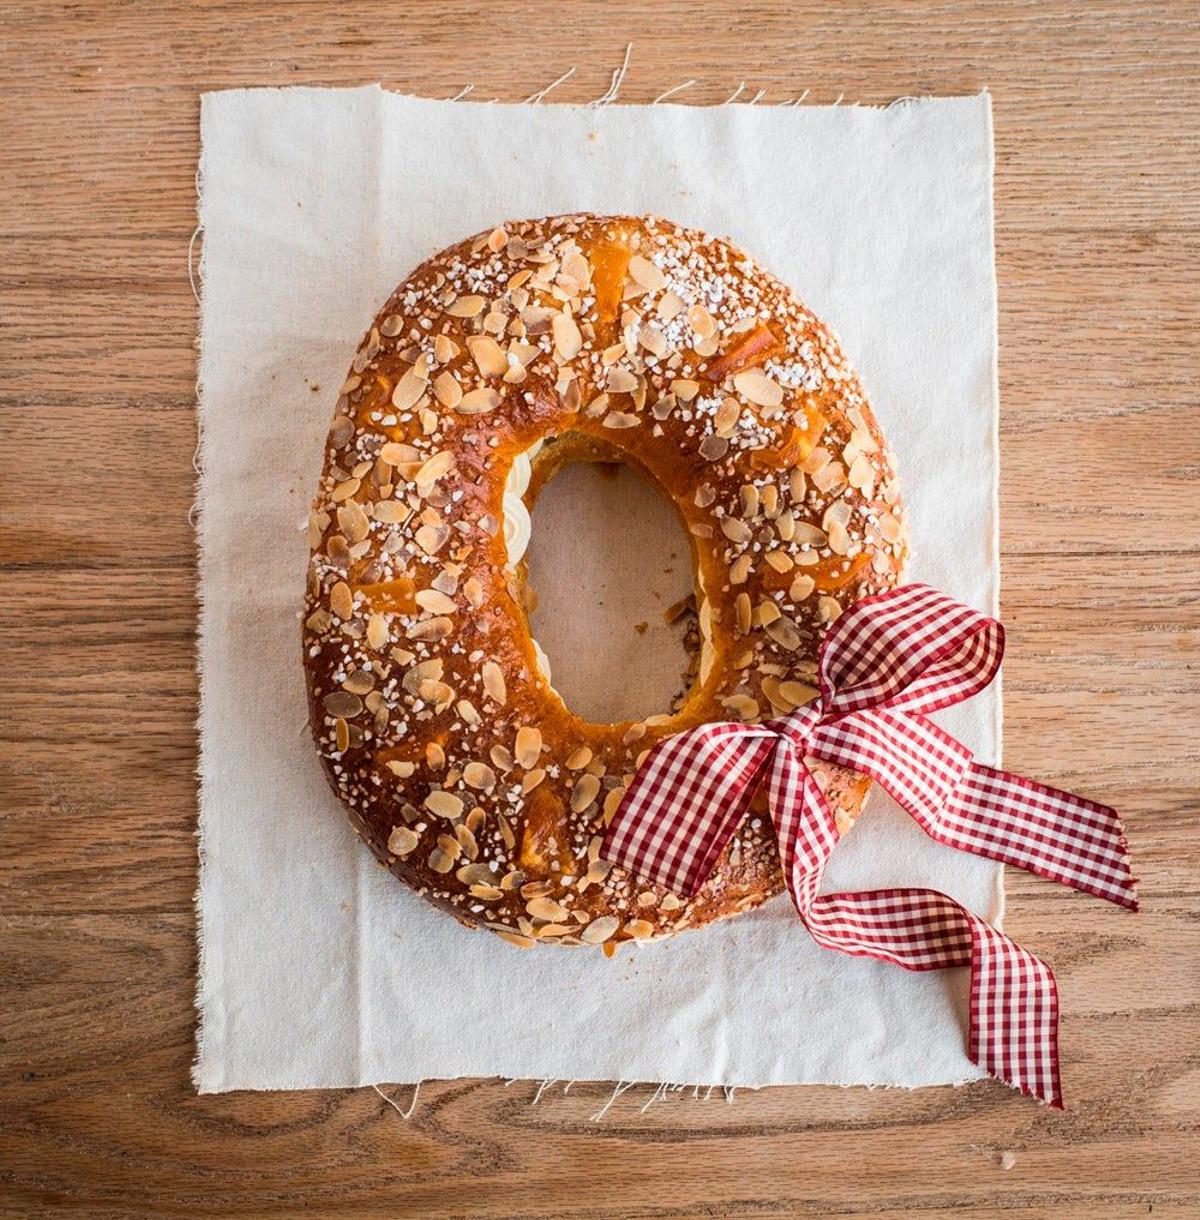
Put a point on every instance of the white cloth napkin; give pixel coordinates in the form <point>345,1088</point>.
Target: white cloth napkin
<point>316,967</point>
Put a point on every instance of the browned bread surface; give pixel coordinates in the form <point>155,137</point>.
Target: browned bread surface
<point>604,337</point>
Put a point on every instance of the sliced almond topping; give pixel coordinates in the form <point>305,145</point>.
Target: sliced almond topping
<point>353,522</point>
<point>396,454</point>
<point>528,746</point>
<point>611,803</point>
<point>402,840</point>
<point>444,805</point>
<point>645,273</point>
<point>359,682</point>
<point>447,390</point>
<point>408,391</point>
<point>440,861</point>
<point>532,779</point>
<point>620,419</point>
<point>621,380</point>
<point>797,693</point>
<point>714,448</point>
<point>801,589</point>
<point>813,535</point>
<point>828,608</point>
<point>401,769</point>
<point>701,321</point>
<point>340,431</point>
<point>742,605</point>
<point>547,909</point>
<point>476,402</point>
<point>341,600</point>
<point>493,682</point>
<point>377,632</point>
<point>584,792</point>
<point>342,703</point>
<point>435,602</point>
<point>473,592</point>
<point>599,930</point>
<point>578,759</point>
<point>639,929</point>
<point>567,339</point>
<point>755,386</point>
<point>839,539</point>
<point>742,706</point>
<point>502,760</point>
<point>653,340</point>
<point>480,776</point>
<point>685,389</point>
<point>392,512</point>
<point>434,468</point>
<point>465,307</point>
<point>431,538</point>
<point>736,530</point>
<point>861,474</point>
<point>474,874</point>
<point>783,632</point>
<point>770,688</point>
<point>445,349</point>
<point>488,355</point>
<point>391,326</point>
<point>726,416</point>
<point>437,693</point>
<point>740,568</point>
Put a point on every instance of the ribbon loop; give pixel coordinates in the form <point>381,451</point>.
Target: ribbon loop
<point>885,663</point>
<point>912,649</point>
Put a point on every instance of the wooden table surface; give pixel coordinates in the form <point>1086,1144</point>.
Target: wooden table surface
<point>1098,250</point>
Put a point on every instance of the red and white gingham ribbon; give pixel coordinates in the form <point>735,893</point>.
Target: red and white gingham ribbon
<point>885,664</point>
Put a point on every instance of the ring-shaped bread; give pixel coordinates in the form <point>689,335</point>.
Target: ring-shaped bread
<point>494,363</point>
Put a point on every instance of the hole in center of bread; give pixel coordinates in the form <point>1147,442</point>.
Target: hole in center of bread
<point>607,558</point>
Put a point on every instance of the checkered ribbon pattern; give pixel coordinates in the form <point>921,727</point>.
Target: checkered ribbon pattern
<point>885,664</point>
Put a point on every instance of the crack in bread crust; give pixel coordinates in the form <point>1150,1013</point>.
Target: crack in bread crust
<point>674,351</point>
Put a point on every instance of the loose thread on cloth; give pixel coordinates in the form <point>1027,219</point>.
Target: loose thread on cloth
<point>412,1105</point>
<point>618,77</point>
<point>662,97</point>
<point>534,98</point>
<point>619,74</point>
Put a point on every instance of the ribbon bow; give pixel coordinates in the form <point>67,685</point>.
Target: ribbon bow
<point>884,665</point>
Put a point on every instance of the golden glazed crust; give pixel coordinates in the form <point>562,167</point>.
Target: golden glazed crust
<point>610,338</point>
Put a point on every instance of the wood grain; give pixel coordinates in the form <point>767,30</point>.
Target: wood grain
<point>1098,249</point>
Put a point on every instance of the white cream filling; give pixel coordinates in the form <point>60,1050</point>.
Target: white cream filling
<point>517,526</point>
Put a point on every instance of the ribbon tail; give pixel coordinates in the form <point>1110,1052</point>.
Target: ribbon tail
<point>980,809</point>
<point>1013,1033</point>
<point>1014,1014</point>
<point>1043,830</point>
